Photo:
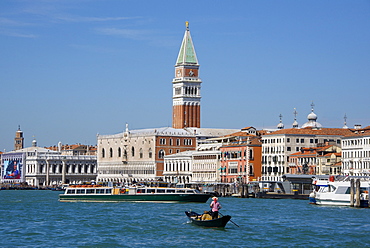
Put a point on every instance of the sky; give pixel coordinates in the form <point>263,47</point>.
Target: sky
<point>72,69</point>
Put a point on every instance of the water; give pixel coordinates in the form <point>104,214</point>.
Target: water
<point>38,219</point>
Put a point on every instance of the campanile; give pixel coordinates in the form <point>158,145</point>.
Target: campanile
<point>186,86</point>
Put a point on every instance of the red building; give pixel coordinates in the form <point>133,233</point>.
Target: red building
<point>241,157</point>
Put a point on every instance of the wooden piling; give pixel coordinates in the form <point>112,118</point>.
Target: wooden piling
<point>352,198</point>
<point>357,195</point>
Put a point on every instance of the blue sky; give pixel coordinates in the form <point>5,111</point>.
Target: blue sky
<point>71,69</point>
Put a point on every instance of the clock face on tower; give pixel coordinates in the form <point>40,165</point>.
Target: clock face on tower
<point>191,73</point>
<point>178,73</point>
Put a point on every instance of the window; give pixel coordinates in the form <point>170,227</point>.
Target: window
<point>288,148</point>
<point>297,141</point>
<point>178,142</point>
<point>162,141</point>
<point>161,154</point>
<point>110,152</point>
<point>119,151</point>
<point>133,152</point>
<point>311,141</point>
<point>141,153</point>
<point>297,149</point>
<point>302,140</point>
<point>171,142</point>
<point>288,140</point>
<point>150,153</point>
<point>103,153</point>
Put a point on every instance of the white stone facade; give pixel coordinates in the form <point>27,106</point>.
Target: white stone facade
<point>277,146</point>
<point>43,167</point>
<point>356,154</point>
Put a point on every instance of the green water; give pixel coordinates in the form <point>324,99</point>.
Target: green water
<point>37,219</point>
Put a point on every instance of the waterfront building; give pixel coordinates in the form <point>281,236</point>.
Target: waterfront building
<point>200,166</point>
<point>241,156</point>
<point>277,146</point>
<point>356,152</point>
<point>39,166</point>
<point>138,155</point>
<point>186,86</point>
<point>321,160</point>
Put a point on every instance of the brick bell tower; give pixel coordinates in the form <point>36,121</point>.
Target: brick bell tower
<point>186,86</point>
<point>18,140</point>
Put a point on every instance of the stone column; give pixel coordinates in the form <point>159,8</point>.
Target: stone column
<point>64,171</point>
<point>47,179</point>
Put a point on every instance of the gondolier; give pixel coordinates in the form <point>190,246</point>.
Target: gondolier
<point>215,206</point>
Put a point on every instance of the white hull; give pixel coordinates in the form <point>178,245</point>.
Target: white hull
<point>337,193</point>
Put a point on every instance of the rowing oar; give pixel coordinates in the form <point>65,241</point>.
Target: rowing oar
<point>230,220</point>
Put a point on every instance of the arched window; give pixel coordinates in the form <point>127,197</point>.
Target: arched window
<point>119,151</point>
<point>133,151</point>
<point>150,153</point>
<point>161,154</point>
<point>103,153</point>
<point>110,152</point>
<point>141,153</point>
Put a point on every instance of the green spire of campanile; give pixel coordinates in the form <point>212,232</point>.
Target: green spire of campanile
<point>187,53</point>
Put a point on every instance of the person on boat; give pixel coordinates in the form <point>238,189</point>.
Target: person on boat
<point>215,206</point>
<point>206,216</point>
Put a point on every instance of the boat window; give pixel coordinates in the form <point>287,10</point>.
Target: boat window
<point>140,191</point>
<point>189,191</point>
<point>90,191</point>
<point>100,191</point>
<point>71,191</point>
<point>342,190</point>
<point>180,191</point>
<point>80,191</point>
<point>332,188</point>
<point>108,191</point>
<point>150,190</point>
<point>170,191</point>
<point>161,191</point>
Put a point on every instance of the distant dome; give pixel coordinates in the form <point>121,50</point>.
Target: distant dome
<point>295,124</point>
<point>280,126</point>
<point>312,120</point>
<point>34,143</point>
<point>312,116</point>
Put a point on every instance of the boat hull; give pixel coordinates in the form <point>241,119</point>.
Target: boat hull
<point>220,222</point>
<point>136,198</point>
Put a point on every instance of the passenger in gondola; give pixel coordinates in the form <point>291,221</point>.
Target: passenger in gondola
<point>215,206</point>
<point>206,216</point>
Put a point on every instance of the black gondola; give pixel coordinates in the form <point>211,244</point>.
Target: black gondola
<point>219,222</point>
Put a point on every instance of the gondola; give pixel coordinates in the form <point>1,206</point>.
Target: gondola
<point>219,222</point>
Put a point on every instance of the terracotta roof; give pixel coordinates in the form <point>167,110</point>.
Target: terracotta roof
<point>313,131</point>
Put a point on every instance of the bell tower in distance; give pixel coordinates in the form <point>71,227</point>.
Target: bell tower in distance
<point>186,86</point>
<point>18,140</point>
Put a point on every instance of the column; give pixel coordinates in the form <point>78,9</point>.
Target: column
<point>64,171</point>
<point>47,180</point>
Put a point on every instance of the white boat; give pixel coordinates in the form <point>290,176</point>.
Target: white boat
<point>337,191</point>
<point>97,193</point>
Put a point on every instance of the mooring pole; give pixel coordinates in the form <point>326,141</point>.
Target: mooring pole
<point>357,196</point>
<point>352,192</point>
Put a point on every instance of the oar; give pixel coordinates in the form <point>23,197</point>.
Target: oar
<point>230,220</point>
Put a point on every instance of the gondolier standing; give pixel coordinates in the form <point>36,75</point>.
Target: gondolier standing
<point>215,206</point>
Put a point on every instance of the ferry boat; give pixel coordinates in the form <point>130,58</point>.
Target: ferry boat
<point>337,191</point>
<point>90,193</point>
